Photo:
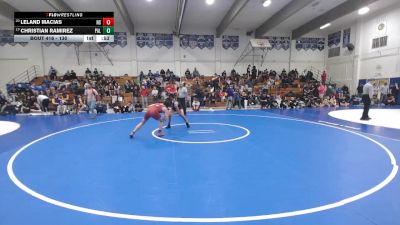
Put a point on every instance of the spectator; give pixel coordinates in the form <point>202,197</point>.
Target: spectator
<point>88,73</point>
<point>154,94</point>
<point>384,90</point>
<point>138,107</point>
<point>196,73</point>
<point>135,91</point>
<point>144,93</point>
<point>254,73</point>
<point>43,102</point>
<point>229,100</point>
<point>390,100</point>
<point>321,90</point>
<point>188,75</point>
<point>360,89</point>
<point>73,75</point>
<point>52,73</point>
<point>91,98</point>
<point>196,105</point>
<point>323,77</point>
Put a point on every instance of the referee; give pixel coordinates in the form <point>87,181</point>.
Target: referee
<point>368,92</point>
<point>182,95</point>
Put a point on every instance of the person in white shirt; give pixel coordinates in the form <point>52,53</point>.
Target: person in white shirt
<point>43,102</point>
<point>154,94</point>
<point>182,96</point>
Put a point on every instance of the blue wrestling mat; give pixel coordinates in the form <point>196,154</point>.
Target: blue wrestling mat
<point>230,167</point>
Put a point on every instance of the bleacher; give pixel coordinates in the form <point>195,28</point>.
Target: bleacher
<point>127,97</point>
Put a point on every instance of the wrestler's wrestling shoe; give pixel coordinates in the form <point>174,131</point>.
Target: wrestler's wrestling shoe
<point>160,133</point>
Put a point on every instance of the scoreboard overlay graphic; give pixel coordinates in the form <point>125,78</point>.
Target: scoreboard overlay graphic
<point>64,26</point>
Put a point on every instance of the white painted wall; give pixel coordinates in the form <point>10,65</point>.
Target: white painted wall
<point>365,62</point>
<point>132,59</point>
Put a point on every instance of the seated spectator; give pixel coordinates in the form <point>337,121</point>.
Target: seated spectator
<point>128,108</point>
<point>196,104</point>
<point>170,88</point>
<point>138,107</point>
<point>263,100</point>
<point>390,100</point>
<point>67,76</point>
<point>95,72</point>
<point>332,101</point>
<point>61,107</point>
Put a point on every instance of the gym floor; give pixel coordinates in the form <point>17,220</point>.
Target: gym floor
<point>283,167</point>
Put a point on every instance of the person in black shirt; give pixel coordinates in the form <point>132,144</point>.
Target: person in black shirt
<point>360,89</point>
<point>73,75</point>
<point>254,73</point>
<point>263,100</point>
<point>138,107</point>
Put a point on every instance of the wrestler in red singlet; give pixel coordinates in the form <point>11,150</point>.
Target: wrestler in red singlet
<point>154,111</point>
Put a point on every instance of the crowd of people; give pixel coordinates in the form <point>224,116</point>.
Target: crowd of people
<point>69,93</point>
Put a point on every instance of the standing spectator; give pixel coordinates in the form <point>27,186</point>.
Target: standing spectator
<point>384,90</point>
<point>182,96</point>
<point>323,77</point>
<point>254,73</point>
<point>144,93</point>
<point>229,94</point>
<point>237,99</point>
<point>154,94</point>
<point>91,95</point>
<point>248,70</point>
<point>43,102</point>
<point>196,72</point>
<point>360,90</point>
<point>52,73</point>
<point>135,91</point>
<point>188,75</point>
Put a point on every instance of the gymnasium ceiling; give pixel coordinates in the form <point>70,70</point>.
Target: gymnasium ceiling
<point>198,16</point>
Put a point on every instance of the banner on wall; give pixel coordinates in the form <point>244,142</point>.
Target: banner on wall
<point>7,37</point>
<point>230,42</point>
<point>346,37</point>
<point>196,41</point>
<point>154,39</point>
<point>310,43</point>
<point>334,38</point>
<point>279,42</point>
